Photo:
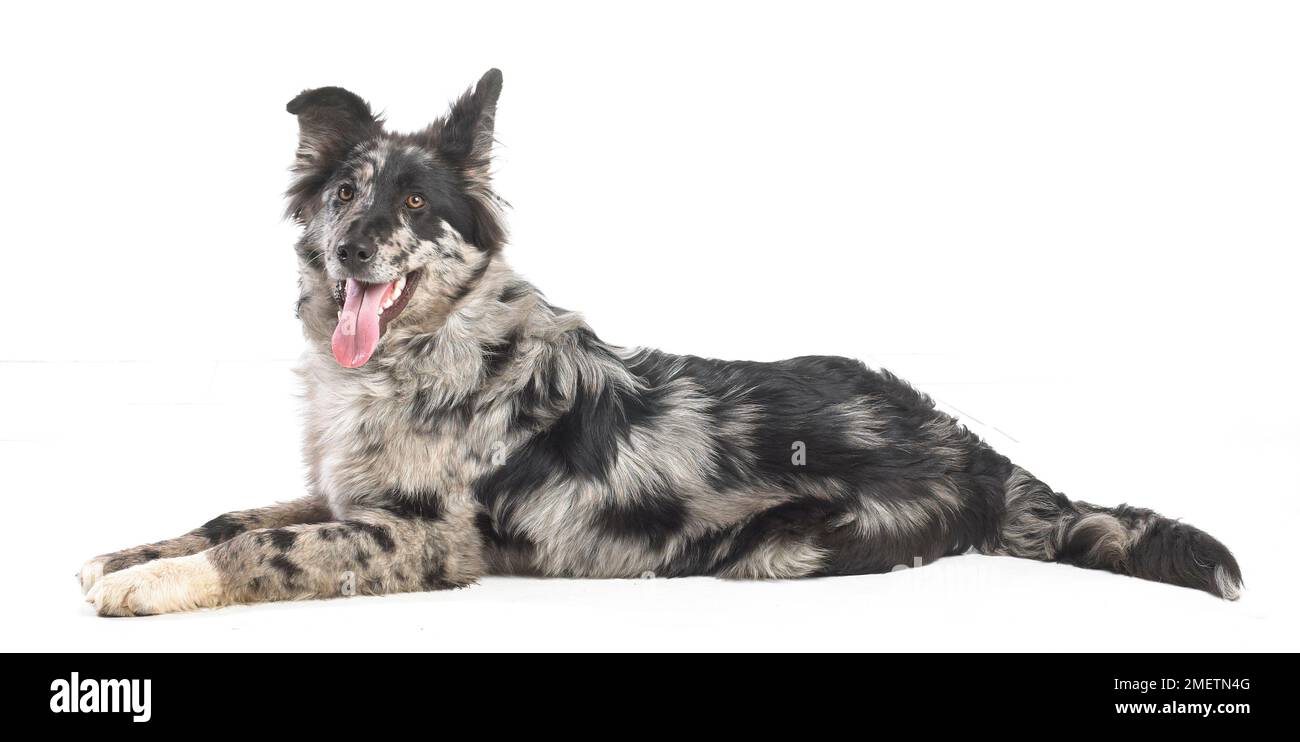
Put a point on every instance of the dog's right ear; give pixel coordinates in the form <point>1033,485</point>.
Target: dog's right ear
<point>331,121</point>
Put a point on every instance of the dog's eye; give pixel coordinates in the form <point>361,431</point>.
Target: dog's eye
<point>346,193</point>
<point>415,201</point>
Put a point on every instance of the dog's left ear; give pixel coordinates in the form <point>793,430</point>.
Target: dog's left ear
<point>464,137</point>
<point>331,121</point>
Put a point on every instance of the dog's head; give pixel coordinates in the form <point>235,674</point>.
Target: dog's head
<point>397,226</point>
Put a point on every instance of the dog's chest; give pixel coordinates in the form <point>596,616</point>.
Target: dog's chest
<point>368,435</point>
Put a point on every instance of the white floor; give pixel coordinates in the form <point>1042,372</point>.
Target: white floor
<point>103,455</point>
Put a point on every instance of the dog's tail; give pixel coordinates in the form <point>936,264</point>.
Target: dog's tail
<point>1041,524</point>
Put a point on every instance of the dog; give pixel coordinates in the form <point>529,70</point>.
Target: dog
<point>459,425</point>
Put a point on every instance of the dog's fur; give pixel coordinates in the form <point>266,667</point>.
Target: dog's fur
<point>494,433</point>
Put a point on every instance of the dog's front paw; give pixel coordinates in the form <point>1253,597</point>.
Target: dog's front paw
<point>90,573</point>
<point>94,570</point>
<point>161,586</point>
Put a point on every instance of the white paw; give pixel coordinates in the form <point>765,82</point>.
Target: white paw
<point>90,573</point>
<point>160,586</point>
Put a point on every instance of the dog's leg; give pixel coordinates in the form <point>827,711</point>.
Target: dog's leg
<point>311,509</point>
<point>374,551</point>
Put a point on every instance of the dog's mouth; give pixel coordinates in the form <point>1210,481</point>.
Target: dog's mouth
<point>365,309</point>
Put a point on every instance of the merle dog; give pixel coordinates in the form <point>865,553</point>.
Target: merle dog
<point>460,425</point>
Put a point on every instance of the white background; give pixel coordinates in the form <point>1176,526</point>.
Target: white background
<point>1074,224</point>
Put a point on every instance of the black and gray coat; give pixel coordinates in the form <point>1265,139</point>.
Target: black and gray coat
<point>493,433</point>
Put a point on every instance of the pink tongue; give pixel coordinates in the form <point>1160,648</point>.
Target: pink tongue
<point>357,333</point>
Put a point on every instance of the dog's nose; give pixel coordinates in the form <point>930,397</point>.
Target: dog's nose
<point>348,252</point>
